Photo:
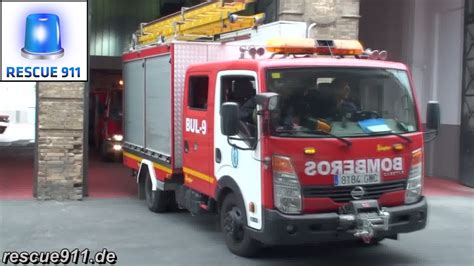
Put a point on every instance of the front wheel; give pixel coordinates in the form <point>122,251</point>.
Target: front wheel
<point>371,242</point>
<point>233,220</point>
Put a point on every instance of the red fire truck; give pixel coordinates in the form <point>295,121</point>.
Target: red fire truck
<point>299,142</point>
<point>107,125</point>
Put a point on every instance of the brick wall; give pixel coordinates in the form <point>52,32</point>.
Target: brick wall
<point>60,140</point>
<point>335,18</point>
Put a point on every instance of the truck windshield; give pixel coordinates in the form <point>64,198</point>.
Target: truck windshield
<point>344,102</point>
<point>116,106</point>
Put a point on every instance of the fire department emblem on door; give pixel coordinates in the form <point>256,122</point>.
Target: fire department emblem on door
<point>234,157</point>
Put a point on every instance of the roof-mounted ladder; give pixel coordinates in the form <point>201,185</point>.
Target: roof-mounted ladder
<point>201,21</point>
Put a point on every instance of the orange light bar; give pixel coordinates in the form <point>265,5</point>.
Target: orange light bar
<point>339,47</point>
<point>310,46</point>
<point>291,46</point>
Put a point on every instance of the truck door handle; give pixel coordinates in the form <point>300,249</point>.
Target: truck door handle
<point>218,155</point>
<point>186,146</point>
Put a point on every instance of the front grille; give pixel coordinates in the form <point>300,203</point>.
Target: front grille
<point>343,194</point>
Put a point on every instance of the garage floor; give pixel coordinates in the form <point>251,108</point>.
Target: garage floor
<point>113,218</point>
<point>110,179</point>
<point>140,237</point>
<point>16,172</point>
<point>106,180</point>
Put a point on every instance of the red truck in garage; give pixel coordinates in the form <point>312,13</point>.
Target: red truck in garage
<point>107,123</point>
<point>316,140</point>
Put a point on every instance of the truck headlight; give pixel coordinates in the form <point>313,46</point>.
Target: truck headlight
<point>415,178</point>
<point>286,186</point>
<point>117,137</point>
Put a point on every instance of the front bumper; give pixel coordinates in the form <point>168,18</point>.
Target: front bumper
<point>113,147</point>
<point>281,229</point>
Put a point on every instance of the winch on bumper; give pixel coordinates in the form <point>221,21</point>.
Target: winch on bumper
<point>362,219</point>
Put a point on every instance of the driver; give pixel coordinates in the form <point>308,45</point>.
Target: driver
<point>342,91</point>
<point>285,118</point>
<point>342,105</point>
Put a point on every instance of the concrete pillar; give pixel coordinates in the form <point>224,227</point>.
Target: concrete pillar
<point>60,133</point>
<point>336,19</point>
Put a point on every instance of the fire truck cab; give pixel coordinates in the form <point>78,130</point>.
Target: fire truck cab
<point>107,123</point>
<point>292,148</point>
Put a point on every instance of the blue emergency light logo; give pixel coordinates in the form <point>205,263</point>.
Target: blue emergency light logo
<point>42,37</point>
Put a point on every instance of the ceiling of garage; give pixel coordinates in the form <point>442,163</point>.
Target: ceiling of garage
<point>113,21</point>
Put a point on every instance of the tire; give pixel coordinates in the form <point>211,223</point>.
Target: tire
<point>157,201</point>
<point>233,220</point>
<point>373,242</point>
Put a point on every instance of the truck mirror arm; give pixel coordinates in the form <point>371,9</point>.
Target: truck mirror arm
<point>430,135</point>
<point>253,140</point>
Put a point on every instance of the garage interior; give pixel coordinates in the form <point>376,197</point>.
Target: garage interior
<point>113,21</point>
<point>17,149</point>
<point>107,178</point>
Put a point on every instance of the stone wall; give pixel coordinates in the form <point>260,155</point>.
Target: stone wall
<point>336,19</point>
<point>60,158</point>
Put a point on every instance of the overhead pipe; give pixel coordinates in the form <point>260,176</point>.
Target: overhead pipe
<point>310,27</point>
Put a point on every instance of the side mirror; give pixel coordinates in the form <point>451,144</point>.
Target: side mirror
<point>268,100</point>
<point>432,121</point>
<point>230,119</point>
<point>433,115</point>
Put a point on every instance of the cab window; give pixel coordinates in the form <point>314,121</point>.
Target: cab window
<point>242,90</point>
<point>198,92</point>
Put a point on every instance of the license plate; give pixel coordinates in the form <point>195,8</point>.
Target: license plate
<point>356,179</point>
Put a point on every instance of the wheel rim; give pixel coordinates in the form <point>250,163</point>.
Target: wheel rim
<point>233,224</point>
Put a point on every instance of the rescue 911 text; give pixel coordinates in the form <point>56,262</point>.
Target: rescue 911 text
<point>65,256</point>
<point>43,72</point>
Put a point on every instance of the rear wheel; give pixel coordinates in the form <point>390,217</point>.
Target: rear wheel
<point>233,220</point>
<point>157,200</point>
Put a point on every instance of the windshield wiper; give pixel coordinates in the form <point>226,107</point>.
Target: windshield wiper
<point>407,139</point>
<point>402,126</point>
<point>320,132</point>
